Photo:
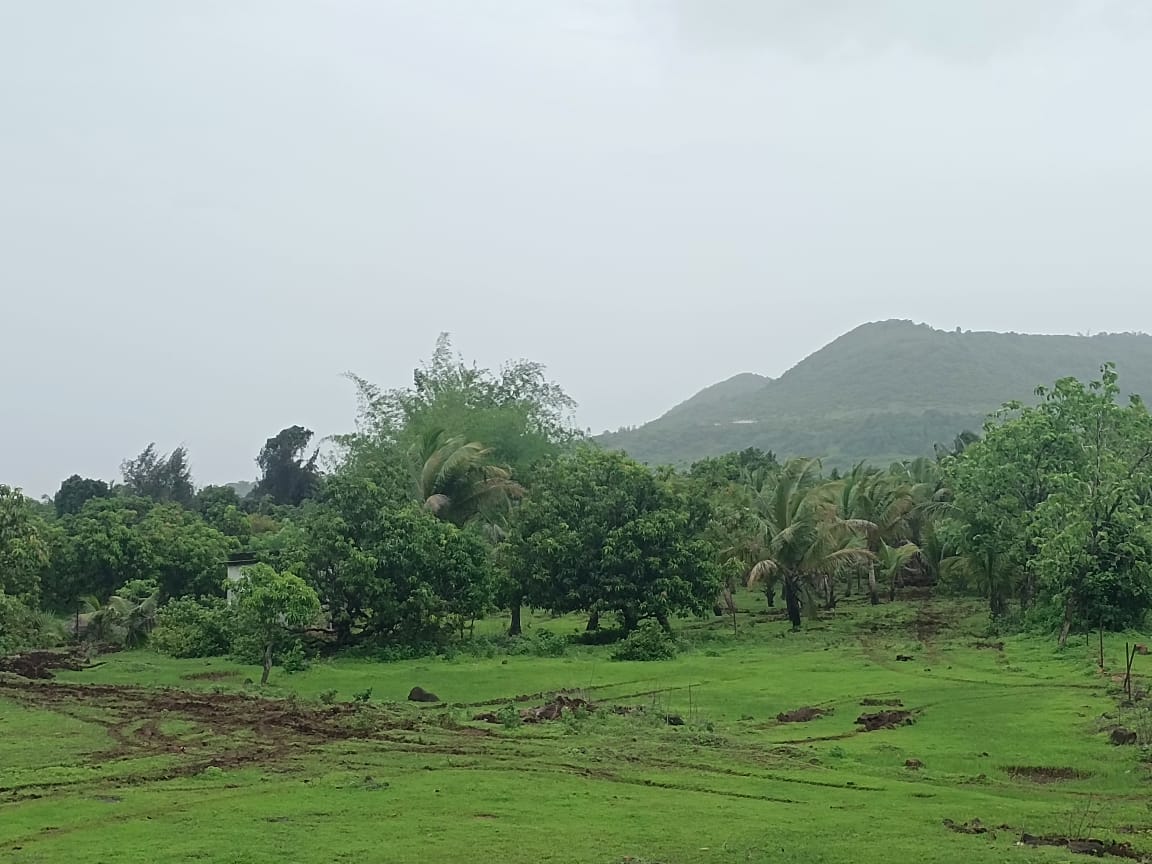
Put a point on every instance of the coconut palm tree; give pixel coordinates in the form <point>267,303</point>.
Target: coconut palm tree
<point>801,540</point>
<point>122,620</point>
<point>891,561</point>
<point>879,506</point>
<point>455,479</point>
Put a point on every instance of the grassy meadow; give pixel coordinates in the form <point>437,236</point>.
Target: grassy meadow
<point>143,758</point>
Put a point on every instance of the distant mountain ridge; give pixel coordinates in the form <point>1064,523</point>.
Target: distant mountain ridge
<point>883,391</point>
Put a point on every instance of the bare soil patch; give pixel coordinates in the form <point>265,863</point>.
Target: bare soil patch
<point>802,715</point>
<point>1045,773</point>
<point>226,729</point>
<point>209,676</point>
<point>1096,848</point>
<point>889,703</point>
<point>992,646</point>
<point>39,664</point>
<point>885,720</point>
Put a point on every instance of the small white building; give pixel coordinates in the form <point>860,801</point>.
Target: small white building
<point>235,565</point>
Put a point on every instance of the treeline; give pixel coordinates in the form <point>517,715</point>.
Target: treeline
<point>471,492</point>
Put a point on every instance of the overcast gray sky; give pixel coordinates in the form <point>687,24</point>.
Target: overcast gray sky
<point>210,210</point>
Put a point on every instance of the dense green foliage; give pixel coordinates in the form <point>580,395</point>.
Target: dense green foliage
<point>883,392</point>
<point>286,475</point>
<point>192,627</point>
<point>1058,498</point>
<point>23,550</point>
<point>470,494</point>
<point>602,533</point>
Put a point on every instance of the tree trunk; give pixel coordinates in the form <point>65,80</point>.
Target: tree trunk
<point>770,593</point>
<point>829,592</point>
<point>593,622</point>
<point>662,620</point>
<point>514,629</point>
<point>267,664</point>
<point>628,617</point>
<point>873,590</point>
<point>792,601</point>
<point>1066,628</point>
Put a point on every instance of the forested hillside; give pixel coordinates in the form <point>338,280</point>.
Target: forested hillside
<point>883,391</point>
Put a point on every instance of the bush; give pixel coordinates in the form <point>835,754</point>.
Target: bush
<point>21,628</point>
<point>193,628</point>
<point>294,658</point>
<point>646,642</point>
<point>545,643</point>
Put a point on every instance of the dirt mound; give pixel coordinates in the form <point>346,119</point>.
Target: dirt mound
<point>973,826</point>
<point>992,646</point>
<point>39,664</point>
<point>1097,848</point>
<point>555,707</point>
<point>885,720</point>
<point>1044,773</point>
<point>209,676</point>
<point>1121,736</point>
<point>888,703</point>
<point>802,715</point>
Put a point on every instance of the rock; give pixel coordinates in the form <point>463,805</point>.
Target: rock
<point>1121,736</point>
<point>913,764</point>
<point>419,694</point>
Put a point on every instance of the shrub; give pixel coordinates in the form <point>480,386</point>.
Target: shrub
<point>328,697</point>
<point>509,716</point>
<point>545,643</point>
<point>646,642</point>
<point>193,628</point>
<point>363,697</point>
<point>21,628</point>
<point>294,658</point>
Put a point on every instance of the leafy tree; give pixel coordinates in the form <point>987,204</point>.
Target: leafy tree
<point>269,606</point>
<point>602,533</point>
<point>516,412</point>
<point>801,541</point>
<point>737,467</point>
<point>393,573</point>
<point>160,477</point>
<point>219,506</point>
<point>97,550</point>
<point>185,554</point>
<point>112,541</point>
<point>76,491</point>
<point>23,550</point>
<point>287,477</point>
<point>1058,495</point>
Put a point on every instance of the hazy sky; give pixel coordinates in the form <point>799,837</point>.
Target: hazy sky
<point>210,210</point>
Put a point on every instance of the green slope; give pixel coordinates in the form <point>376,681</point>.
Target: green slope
<point>885,390</point>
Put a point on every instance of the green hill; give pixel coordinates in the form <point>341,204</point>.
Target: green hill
<point>885,390</point>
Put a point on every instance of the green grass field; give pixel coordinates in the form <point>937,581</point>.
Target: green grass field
<point>152,765</point>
